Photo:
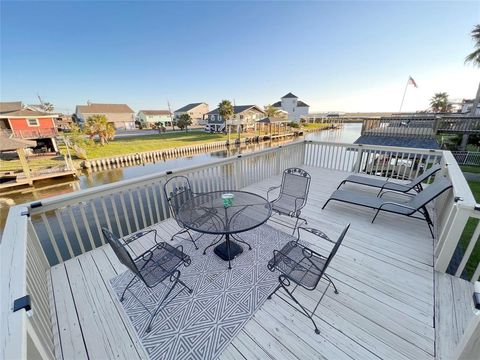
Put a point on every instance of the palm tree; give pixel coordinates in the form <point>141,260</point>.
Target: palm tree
<point>270,111</point>
<point>439,103</point>
<point>474,59</point>
<point>98,125</point>
<point>48,107</point>
<point>184,121</point>
<point>225,110</point>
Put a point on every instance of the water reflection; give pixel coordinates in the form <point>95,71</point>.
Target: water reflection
<point>348,134</point>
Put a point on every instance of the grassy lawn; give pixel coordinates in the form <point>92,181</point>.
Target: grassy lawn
<point>134,144</point>
<point>468,232</point>
<point>316,126</point>
<point>470,169</point>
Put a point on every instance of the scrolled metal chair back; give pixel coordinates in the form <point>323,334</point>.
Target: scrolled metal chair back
<point>119,250</point>
<point>178,190</point>
<point>335,248</point>
<point>296,183</point>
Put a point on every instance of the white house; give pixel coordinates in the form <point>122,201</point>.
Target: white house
<point>295,108</point>
<point>467,107</point>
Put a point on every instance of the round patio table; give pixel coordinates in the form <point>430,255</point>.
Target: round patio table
<point>207,213</point>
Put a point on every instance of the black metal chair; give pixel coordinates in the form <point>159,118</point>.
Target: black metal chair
<point>303,267</point>
<point>178,190</point>
<point>293,194</point>
<point>152,267</point>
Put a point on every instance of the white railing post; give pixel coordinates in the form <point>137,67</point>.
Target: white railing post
<point>277,159</point>
<point>237,170</point>
<point>358,165</point>
<point>304,151</point>
<point>449,237</point>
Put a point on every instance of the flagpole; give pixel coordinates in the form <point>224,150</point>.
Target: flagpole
<point>403,98</point>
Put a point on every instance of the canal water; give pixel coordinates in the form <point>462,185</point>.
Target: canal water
<point>347,134</point>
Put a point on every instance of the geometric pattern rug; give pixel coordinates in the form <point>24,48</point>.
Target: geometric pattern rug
<point>202,324</point>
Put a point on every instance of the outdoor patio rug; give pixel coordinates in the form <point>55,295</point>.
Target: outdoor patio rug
<point>202,324</point>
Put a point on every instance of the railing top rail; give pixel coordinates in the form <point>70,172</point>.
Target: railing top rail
<point>13,253</point>
<point>381,147</point>
<point>107,188</point>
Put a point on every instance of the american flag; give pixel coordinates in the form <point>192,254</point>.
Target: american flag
<point>411,81</point>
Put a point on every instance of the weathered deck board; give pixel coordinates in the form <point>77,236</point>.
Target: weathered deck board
<point>452,312</point>
<point>384,273</point>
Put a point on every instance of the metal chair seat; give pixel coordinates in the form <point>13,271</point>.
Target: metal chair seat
<point>299,264</point>
<point>158,263</point>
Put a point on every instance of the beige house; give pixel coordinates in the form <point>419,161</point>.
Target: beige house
<point>244,118</point>
<point>195,110</point>
<point>121,115</point>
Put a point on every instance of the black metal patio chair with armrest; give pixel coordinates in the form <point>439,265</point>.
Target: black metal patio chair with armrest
<point>152,267</point>
<point>178,191</point>
<point>293,194</point>
<point>300,266</point>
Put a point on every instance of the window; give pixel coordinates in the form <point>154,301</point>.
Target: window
<point>32,122</point>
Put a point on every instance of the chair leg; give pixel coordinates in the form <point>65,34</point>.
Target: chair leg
<point>307,314</point>
<point>343,182</point>
<point>128,285</point>
<point>376,214</point>
<point>183,231</point>
<point>175,278</point>
<point>274,291</point>
<point>331,282</point>
<point>193,241</point>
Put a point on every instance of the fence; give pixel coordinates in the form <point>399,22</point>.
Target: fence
<point>467,157</point>
<point>420,127</point>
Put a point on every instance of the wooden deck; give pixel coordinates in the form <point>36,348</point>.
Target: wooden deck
<point>386,308</point>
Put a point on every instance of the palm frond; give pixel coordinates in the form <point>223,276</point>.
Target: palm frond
<point>473,58</point>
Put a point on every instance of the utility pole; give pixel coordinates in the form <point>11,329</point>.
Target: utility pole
<point>171,115</point>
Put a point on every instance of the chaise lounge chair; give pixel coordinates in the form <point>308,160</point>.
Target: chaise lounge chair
<point>416,204</point>
<point>415,184</point>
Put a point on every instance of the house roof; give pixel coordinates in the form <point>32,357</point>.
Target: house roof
<point>299,103</point>
<point>28,113</point>
<point>289,95</point>
<point>155,112</point>
<point>273,120</point>
<point>189,107</point>
<point>237,109</point>
<point>6,107</point>
<point>8,144</point>
<point>422,143</point>
<point>104,108</point>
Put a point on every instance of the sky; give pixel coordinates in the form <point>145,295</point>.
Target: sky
<point>335,56</point>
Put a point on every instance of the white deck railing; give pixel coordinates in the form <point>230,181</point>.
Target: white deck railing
<point>69,225</point>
